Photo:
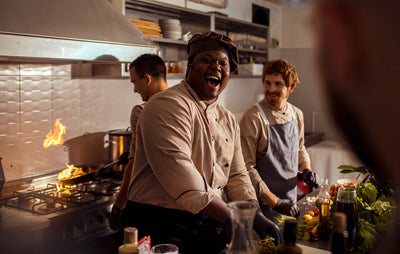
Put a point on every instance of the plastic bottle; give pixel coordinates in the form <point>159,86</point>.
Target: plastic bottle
<point>289,239</point>
<point>130,241</point>
<point>337,238</point>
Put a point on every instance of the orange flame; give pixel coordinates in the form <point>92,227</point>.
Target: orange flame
<point>70,172</point>
<point>54,137</point>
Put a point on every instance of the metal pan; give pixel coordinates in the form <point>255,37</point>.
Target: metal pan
<point>92,172</point>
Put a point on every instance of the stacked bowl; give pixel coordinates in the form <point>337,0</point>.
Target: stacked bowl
<point>171,28</point>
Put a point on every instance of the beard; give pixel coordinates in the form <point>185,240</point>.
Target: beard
<point>349,122</point>
<point>276,102</point>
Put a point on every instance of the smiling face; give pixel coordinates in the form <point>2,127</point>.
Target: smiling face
<point>275,90</point>
<point>208,73</point>
<point>140,85</point>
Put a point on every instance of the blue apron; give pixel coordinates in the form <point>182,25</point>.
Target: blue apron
<point>279,166</point>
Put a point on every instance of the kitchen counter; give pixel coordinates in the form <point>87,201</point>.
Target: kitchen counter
<point>318,246</point>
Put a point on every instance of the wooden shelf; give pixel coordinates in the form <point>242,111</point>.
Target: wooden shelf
<point>248,36</point>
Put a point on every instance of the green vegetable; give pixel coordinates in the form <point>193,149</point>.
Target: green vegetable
<point>374,205</point>
<point>367,192</point>
<point>366,238</point>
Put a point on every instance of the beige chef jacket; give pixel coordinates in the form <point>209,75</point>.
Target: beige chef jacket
<point>254,137</point>
<point>136,110</point>
<point>187,153</point>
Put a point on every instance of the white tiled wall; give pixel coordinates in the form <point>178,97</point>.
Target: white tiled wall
<point>33,96</point>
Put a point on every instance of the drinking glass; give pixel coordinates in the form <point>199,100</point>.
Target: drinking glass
<point>347,204</point>
<point>164,248</point>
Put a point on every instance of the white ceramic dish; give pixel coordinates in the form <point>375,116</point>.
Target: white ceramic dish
<point>346,181</point>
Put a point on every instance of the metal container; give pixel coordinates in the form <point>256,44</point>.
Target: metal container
<point>88,149</point>
<point>119,142</point>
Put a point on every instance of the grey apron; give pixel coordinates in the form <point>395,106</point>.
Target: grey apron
<point>279,166</point>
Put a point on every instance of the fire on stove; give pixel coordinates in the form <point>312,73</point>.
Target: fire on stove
<point>57,211</point>
<point>55,197</point>
<point>57,214</point>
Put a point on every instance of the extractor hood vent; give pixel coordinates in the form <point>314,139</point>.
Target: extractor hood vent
<point>68,30</point>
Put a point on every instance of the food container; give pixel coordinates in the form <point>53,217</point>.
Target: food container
<point>174,67</point>
<point>250,69</point>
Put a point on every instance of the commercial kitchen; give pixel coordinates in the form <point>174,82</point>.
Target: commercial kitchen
<point>63,64</point>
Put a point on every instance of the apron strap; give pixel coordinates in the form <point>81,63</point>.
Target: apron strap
<point>262,113</point>
<point>291,109</point>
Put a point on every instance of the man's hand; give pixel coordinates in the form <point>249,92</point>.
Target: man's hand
<point>309,177</point>
<point>287,207</point>
<point>263,226</point>
<point>116,218</point>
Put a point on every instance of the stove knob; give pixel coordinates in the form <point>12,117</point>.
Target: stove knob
<point>82,226</point>
<point>100,218</point>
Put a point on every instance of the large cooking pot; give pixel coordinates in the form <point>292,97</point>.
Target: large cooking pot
<point>119,142</point>
<point>87,149</point>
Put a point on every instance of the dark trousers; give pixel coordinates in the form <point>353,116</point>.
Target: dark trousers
<point>192,233</point>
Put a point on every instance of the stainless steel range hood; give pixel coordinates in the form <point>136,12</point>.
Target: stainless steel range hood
<point>68,30</point>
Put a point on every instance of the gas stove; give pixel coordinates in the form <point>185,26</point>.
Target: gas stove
<point>50,218</point>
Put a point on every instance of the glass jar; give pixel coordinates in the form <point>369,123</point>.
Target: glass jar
<point>347,203</point>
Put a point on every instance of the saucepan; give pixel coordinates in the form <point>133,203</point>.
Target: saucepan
<point>92,171</point>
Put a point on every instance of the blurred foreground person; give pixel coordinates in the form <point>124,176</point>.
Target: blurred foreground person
<point>359,52</point>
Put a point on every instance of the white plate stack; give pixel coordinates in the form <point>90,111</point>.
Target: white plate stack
<point>171,28</point>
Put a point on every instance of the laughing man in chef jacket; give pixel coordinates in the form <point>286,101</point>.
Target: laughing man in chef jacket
<point>272,137</point>
<point>188,154</point>
<point>148,75</point>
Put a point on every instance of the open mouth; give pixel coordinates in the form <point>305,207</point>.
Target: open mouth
<point>213,80</point>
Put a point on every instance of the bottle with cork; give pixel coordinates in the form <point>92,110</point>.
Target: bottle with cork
<point>289,239</point>
<point>130,241</point>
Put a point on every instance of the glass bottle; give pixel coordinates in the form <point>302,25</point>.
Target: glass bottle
<point>289,239</point>
<point>242,215</point>
<point>337,238</point>
<point>324,200</point>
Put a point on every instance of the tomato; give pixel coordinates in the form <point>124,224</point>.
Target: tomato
<point>310,213</point>
<point>316,212</point>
